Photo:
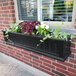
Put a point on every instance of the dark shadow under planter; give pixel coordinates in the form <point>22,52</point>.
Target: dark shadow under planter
<point>55,48</point>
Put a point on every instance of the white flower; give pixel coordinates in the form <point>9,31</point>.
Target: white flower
<point>16,27</point>
<point>46,26</point>
<point>42,25</point>
<point>36,27</point>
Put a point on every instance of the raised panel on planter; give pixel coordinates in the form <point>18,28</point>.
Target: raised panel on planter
<point>55,48</point>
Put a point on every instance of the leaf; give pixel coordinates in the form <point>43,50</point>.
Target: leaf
<point>37,32</point>
<point>41,41</point>
<point>72,36</point>
<point>6,36</point>
<point>58,28</point>
<point>37,45</point>
<point>44,32</point>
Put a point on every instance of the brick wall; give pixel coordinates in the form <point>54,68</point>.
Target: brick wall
<point>46,64</point>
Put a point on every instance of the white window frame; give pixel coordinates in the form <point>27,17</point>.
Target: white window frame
<point>50,23</point>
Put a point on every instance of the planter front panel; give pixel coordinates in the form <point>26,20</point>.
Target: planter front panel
<point>55,48</point>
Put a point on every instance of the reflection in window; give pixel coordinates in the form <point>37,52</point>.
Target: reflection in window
<point>28,9</point>
<point>57,10</point>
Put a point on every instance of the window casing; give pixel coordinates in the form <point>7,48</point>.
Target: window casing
<point>40,15</point>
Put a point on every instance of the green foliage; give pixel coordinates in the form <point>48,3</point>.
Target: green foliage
<point>57,35</point>
<point>72,36</point>
<point>42,31</point>
<point>41,41</point>
<point>15,27</point>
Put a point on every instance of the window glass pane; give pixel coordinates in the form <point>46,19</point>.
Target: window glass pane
<point>57,10</point>
<point>27,9</point>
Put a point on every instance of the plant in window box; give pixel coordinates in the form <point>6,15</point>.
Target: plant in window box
<point>28,27</point>
<point>52,33</point>
<point>40,38</point>
<point>14,27</point>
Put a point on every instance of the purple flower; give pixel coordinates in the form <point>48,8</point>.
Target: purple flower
<point>29,26</point>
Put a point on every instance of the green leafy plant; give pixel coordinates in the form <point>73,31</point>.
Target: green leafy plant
<point>14,27</point>
<point>42,31</point>
<point>54,33</point>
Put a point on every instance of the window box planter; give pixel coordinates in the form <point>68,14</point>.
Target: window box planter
<point>55,48</point>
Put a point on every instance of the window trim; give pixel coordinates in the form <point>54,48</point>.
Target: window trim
<point>50,23</point>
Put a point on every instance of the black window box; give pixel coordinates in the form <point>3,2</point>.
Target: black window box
<point>55,48</point>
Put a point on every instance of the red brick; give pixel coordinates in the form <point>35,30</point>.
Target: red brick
<point>49,65</point>
<point>10,7</point>
<point>36,66</point>
<point>62,71</point>
<point>24,53</point>
<point>27,56</point>
<point>11,51</point>
<point>1,18</point>
<point>59,65</point>
<point>12,11</point>
<point>73,61</point>
<point>75,66</point>
<point>16,48</point>
<point>11,3</point>
<point>4,8</point>
<point>65,72</point>
<point>37,60</point>
<point>7,19</point>
<point>45,60</point>
<point>71,74</point>
<point>72,70</point>
<point>72,55</point>
<point>19,54</point>
<point>11,15</point>
<point>1,12</point>
<point>4,14</point>
<point>73,50</point>
<point>34,63</point>
<point>73,45</point>
<point>74,40</point>
<point>58,73</point>
<point>5,22</point>
<point>9,0</point>
<point>17,51</point>
<point>28,63</point>
<point>51,59</point>
<point>6,11</point>
<point>0,5</point>
<point>25,59</point>
<point>43,66</point>
<point>65,63</point>
<point>36,54</point>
